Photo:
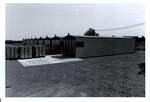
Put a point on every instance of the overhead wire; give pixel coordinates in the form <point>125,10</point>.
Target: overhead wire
<point>121,28</point>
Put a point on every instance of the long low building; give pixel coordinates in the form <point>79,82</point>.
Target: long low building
<point>92,46</point>
<point>72,46</point>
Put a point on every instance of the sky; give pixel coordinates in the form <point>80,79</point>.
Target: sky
<point>35,20</point>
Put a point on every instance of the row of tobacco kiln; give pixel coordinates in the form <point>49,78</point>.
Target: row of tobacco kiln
<point>23,52</point>
<point>52,45</point>
<point>72,46</point>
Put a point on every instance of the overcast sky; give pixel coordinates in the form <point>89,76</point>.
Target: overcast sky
<point>35,20</point>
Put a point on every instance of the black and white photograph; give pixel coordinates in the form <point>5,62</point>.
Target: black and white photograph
<point>75,50</point>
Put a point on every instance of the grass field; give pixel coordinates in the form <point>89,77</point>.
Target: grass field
<point>109,76</point>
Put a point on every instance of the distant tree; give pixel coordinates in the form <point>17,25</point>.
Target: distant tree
<point>91,32</point>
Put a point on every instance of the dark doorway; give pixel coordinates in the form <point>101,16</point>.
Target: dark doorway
<point>33,51</point>
<point>69,46</point>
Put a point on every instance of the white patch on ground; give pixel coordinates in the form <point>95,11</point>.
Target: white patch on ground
<point>46,60</point>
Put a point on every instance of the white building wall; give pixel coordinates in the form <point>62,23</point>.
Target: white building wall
<point>104,46</point>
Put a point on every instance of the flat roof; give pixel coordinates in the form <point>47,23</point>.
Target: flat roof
<point>83,36</point>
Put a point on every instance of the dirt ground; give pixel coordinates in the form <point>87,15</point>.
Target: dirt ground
<point>109,76</point>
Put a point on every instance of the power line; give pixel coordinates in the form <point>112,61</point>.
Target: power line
<point>125,27</point>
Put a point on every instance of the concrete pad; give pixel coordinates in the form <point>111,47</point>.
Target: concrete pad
<point>46,60</point>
